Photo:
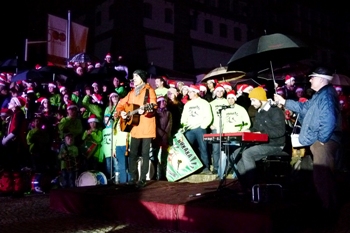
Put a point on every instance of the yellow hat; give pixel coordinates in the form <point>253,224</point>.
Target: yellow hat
<point>258,93</point>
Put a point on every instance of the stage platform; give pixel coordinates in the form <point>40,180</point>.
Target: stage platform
<point>212,206</point>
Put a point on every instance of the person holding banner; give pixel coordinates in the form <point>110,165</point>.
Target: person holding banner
<point>196,118</point>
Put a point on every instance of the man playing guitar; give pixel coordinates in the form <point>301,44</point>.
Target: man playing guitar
<point>144,131</point>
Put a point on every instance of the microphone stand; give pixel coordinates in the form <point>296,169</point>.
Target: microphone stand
<point>222,170</point>
<point>112,132</point>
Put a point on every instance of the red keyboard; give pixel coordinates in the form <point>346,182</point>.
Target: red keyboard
<point>237,137</point>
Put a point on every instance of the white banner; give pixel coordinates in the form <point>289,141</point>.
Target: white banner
<point>57,39</point>
<point>57,36</point>
<point>78,39</point>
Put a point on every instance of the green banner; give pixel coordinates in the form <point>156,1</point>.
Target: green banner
<point>182,160</point>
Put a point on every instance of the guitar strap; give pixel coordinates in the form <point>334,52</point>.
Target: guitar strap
<point>146,97</point>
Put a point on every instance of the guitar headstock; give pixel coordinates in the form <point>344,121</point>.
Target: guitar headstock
<point>149,107</point>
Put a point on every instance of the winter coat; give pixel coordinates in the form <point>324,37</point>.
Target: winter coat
<point>320,116</point>
<point>147,124</point>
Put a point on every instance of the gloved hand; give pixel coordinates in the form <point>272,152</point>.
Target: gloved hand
<point>6,139</point>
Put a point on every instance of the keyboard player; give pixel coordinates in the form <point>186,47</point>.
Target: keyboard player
<point>269,119</point>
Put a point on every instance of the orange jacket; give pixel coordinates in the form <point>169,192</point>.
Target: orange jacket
<point>147,124</point>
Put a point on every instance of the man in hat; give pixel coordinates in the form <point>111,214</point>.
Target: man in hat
<point>142,95</point>
<point>71,123</point>
<point>195,119</point>
<point>269,120</point>
<point>321,130</point>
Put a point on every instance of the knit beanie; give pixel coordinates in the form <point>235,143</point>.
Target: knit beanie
<point>258,93</point>
<point>142,74</point>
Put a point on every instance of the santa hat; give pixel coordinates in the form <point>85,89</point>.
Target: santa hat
<point>203,87</point>
<point>288,79</point>
<point>62,88</point>
<point>71,104</point>
<point>50,63</point>
<point>219,88</point>
<point>299,89</point>
<point>97,65</point>
<point>172,83</point>
<point>5,112</point>
<point>213,81</point>
<point>90,66</point>
<point>97,98</point>
<point>113,94</point>
<point>41,100</point>
<point>92,118</point>
<point>19,101</point>
<point>52,85</point>
<point>160,98</point>
<point>3,77</point>
<point>185,87</point>
<point>30,90</point>
<point>338,88</point>
<point>37,66</point>
<point>280,91</point>
<point>194,88</point>
<point>94,84</point>
<point>2,83</point>
<point>108,55</point>
<point>231,94</point>
<point>70,65</point>
<point>226,85</point>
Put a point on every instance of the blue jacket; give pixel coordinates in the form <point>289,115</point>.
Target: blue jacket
<point>320,116</point>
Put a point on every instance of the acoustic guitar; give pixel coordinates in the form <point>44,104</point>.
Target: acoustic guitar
<point>133,119</point>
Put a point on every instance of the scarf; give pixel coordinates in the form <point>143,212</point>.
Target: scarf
<point>138,89</point>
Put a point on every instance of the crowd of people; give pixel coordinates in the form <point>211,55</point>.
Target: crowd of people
<point>58,129</point>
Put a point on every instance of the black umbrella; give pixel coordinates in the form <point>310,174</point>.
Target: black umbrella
<point>260,53</point>
<point>83,58</point>
<point>13,65</point>
<point>28,76</point>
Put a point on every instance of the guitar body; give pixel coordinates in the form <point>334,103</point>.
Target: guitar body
<point>132,119</point>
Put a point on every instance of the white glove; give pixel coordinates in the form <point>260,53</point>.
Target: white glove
<point>7,138</point>
<point>123,114</point>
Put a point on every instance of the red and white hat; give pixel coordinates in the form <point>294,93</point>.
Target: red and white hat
<point>94,84</point>
<point>37,66</point>
<point>3,77</point>
<point>19,101</point>
<point>71,105</point>
<point>92,118</point>
<point>231,94</point>
<point>52,85</point>
<point>226,85</point>
<point>97,98</point>
<point>194,88</point>
<point>160,98</point>
<point>30,90</point>
<point>41,100</point>
<point>203,88</point>
<point>172,83</point>
<point>108,55</point>
<point>215,81</point>
<point>338,88</point>
<point>5,112</point>
<point>62,88</point>
<point>97,65</point>
<point>219,88</point>
<point>288,79</point>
